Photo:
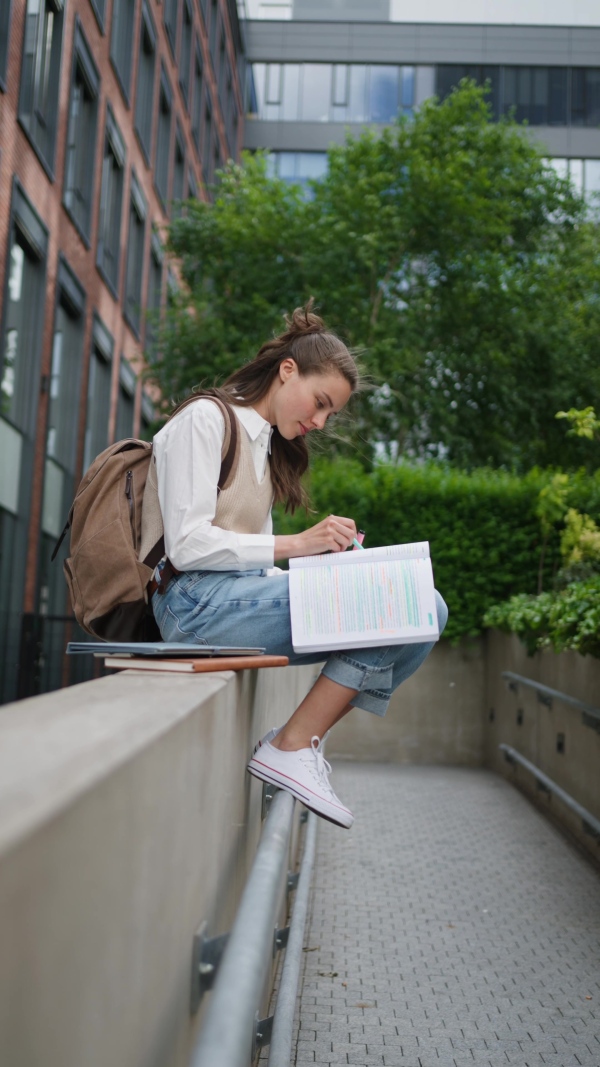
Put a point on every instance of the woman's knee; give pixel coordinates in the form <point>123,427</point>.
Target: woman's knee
<point>442,611</point>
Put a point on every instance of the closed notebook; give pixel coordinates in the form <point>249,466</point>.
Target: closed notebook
<point>379,596</point>
<point>193,666</point>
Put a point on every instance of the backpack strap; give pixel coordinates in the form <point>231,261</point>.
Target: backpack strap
<point>231,444</point>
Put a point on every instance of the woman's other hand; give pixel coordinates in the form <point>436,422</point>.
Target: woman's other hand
<point>333,534</point>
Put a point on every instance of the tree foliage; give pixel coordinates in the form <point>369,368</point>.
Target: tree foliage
<point>445,249</point>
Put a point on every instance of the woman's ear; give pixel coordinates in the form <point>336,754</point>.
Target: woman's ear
<point>287,367</point>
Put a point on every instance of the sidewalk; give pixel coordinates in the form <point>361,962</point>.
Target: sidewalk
<point>452,926</point>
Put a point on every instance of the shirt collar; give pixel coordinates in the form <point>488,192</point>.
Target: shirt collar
<point>253,423</point>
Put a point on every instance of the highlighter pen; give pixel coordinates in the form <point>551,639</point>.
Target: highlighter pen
<point>358,540</point>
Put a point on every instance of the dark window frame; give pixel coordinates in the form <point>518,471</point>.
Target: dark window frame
<point>134,271</point>
<point>164,94</point>
<point>102,348</point>
<point>171,23</point>
<point>5,23</point>
<point>116,48</point>
<point>84,63</point>
<point>185,79</point>
<point>46,158</point>
<point>113,142</point>
<point>143,99</point>
<point>179,165</point>
<point>99,9</point>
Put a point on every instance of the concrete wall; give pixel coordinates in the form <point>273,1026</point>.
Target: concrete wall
<point>435,717</point>
<point>126,818</point>
<point>520,720</point>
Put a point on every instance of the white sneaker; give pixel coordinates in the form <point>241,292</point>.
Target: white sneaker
<point>268,737</point>
<point>304,774</point>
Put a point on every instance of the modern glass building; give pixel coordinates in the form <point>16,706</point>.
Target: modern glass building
<point>319,69</point>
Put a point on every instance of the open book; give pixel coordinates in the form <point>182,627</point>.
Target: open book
<point>380,596</point>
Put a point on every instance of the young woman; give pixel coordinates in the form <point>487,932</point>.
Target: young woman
<point>227,591</point>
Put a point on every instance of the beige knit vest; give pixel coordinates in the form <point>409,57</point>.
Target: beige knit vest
<point>242,506</point>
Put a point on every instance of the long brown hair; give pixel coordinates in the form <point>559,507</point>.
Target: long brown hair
<point>315,350</point>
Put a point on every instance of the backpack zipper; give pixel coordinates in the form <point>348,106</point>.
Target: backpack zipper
<point>130,501</point>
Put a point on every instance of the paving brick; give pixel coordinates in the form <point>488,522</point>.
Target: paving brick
<point>464,929</point>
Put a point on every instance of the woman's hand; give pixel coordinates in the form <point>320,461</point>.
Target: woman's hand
<point>333,534</point>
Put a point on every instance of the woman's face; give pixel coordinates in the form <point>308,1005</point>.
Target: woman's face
<point>299,404</point>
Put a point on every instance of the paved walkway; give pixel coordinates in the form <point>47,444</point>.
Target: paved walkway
<point>452,926</point>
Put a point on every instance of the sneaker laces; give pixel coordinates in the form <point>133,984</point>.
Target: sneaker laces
<point>316,763</point>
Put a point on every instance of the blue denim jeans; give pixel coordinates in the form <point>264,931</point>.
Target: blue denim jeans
<point>250,609</point>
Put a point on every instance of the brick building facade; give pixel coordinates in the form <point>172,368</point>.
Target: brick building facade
<point>110,110</point>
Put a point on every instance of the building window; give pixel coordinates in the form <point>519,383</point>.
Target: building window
<point>171,11</point>
<point>185,57</point>
<point>144,99</point>
<point>81,136</point>
<point>23,315</point>
<point>585,96</point>
<point>300,167</point>
<point>5,11</point>
<point>98,402</point>
<point>20,350</point>
<point>38,103</point>
<point>135,255</point>
<point>178,172</point>
<point>63,410</point>
<point>121,42</point>
<point>192,190</point>
<point>154,298</point>
<point>212,30</point>
<point>163,140</point>
<point>125,401</point>
<point>111,200</point>
<point>147,417</point>
<point>197,100</point>
<point>324,92</point>
<point>538,95</point>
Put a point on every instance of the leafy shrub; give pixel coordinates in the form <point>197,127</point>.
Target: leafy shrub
<point>568,619</point>
<point>482,526</point>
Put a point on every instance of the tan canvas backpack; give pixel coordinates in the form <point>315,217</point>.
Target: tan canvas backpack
<point>107,582</point>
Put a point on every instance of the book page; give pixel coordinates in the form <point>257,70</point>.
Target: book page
<point>412,550</point>
<point>381,602</point>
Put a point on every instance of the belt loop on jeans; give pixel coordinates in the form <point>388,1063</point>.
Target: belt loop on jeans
<point>166,571</point>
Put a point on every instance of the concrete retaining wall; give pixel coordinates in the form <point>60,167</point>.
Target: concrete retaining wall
<point>126,818</point>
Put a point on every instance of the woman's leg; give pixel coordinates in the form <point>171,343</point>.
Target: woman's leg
<point>325,704</point>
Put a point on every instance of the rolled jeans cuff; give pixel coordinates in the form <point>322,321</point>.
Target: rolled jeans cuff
<point>374,684</point>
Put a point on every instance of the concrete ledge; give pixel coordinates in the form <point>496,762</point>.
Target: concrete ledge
<point>126,819</point>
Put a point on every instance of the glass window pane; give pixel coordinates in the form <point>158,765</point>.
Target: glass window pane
<point>384,94</point>
<point>539,109</point>
<point>407,98</point>
<point>340,85</point>
<point>592,176</point>
<point>357,107</point>
<point>557,96</point>
<point>576,172</point>
<point>286,166</point>
<point>311,165</point>
<point>316,92</point>
<point>259,71</point>
<point>273,84</point>
<point>561,167</point>
<point>290,92</point>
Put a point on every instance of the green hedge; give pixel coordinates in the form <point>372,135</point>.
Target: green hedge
<point>484,534</point>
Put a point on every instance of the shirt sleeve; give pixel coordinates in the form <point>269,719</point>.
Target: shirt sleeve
<point>188,464</point>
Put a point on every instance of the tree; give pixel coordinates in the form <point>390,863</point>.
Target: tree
<point>445,249</point>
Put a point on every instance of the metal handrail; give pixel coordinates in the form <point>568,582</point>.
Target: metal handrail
<point>590,714</point>
<point>232,1028</point>
<point>280,1052</point>
<point>590,823</point>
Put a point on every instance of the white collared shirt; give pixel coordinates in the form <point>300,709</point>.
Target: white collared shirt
<point>188,464</point>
